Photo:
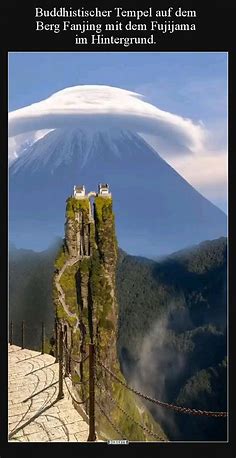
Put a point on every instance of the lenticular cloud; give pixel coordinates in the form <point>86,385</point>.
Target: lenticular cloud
<point>102,108</point>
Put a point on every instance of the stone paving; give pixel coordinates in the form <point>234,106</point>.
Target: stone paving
<point>34,414</point>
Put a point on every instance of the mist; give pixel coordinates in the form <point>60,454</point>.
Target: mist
<point>161,362</point>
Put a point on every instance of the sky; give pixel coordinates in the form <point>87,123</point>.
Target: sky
<point>190,85</point>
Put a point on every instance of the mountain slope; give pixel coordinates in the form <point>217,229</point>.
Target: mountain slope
<point>171,330</point>
<point>30,297</point>
<point>172,334</point>
<point>157,211</point>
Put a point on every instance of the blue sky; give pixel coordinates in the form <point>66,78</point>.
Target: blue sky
<point>192,85</point>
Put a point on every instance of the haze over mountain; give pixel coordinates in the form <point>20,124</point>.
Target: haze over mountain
<point>91,134</point>
<point>172,335</point>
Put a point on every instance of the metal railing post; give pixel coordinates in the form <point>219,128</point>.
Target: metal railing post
<point>43,337</point>
<point>67,359</point>
<point>11,333</point>
<point>56,340</point>
<point>92,434</point>
<point>71,338</point>
<point>71,349</point>
<point>23,334</point>
<point>60,357</point>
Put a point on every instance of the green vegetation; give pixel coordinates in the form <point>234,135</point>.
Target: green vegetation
<point>73,205</point>
<point>92,234</point>
<point>76,342</point>
<point>185,292</point>
<point>48,347</point>
<point>148,291</point>
<point>182,299</point>
<point>84,265</point>
<point>101,294</point>
<point>68,284</point>
<point>30,299</point>
<point>102,284</point>
<point>205,257</point>
<point>137,411</point>
<point>207,388</point>
<point>100,288</point>
<point>81,204</point>
<point>105,230</point>
<point>107,324</point>
<point>61,314</point>
<point>69,208</point>
<point>75,378</point>
<point>126,400</point>
<point>61,257</point>
<point>103,208</point>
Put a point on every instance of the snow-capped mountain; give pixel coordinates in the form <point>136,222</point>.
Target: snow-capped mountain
<point>157,211</point>
<point>60,145</point>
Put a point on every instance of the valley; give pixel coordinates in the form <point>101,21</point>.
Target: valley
<point>169,312</point>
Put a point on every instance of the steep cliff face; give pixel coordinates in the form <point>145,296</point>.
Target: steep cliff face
<point>85,300</point>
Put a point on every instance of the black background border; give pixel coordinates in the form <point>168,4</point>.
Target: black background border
<point>215,32</point>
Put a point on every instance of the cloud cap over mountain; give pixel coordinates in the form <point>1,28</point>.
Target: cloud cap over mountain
<point>93,106</point>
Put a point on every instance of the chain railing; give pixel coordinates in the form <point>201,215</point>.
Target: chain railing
<point>180,409</point>
<point>144,428</point>
<point>110,421</point>
<point>80,382</point>
<point>64,374</point>
<point>72,396</point>
<point>26,331</point>
<point>78,361</point>
<point>63,355</point>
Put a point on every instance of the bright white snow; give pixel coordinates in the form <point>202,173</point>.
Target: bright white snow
<point>99,108</point>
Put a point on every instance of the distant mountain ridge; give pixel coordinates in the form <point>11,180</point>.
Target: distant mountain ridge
<point>157,211</point>
<point>172,336</point>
